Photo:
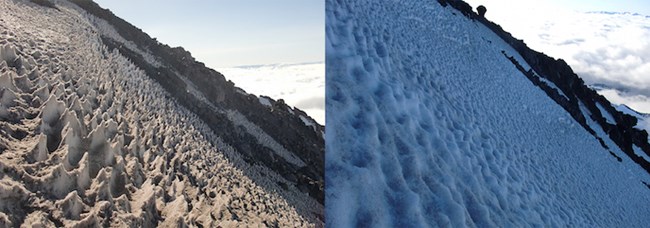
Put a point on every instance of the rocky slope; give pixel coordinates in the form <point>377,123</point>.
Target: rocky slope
<point>100,125</point>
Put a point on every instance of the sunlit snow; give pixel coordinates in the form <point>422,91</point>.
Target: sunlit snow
<point>430,125</point>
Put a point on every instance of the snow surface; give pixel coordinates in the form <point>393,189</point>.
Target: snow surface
<point>265,101</point>
<point>306,121</point>
<point>552,85</point>
<point>430,125</point>
<point>640,153</point>
<point>608,116</point>
<point>88,139</point>
<point>300,85</point>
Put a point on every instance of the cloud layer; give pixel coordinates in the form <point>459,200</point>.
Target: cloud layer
<point>613,50</point>
<point>300,85</point>
<point>603,48</point>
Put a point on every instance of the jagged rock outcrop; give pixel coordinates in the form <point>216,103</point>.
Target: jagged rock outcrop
<point>481,10</point>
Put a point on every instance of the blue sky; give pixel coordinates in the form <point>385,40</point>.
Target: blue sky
<point>227,33</point>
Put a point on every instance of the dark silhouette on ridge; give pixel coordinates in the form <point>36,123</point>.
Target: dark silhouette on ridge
<point>481,10</point>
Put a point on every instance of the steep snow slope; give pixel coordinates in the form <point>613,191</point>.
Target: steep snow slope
<point>88,138</point>
<point>262,133</point>
<point>429,124</point>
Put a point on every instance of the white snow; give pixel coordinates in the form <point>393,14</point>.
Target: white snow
<point>307,122</point>
<point>265,101</point>
<point>601,133</point>
<point>640,153</point>
<point>552,85</point>
<point>608,116</point>
<point>85,132</point>
<point>436,132</point>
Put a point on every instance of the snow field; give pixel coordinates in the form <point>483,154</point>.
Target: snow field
<point>430,125</point>
<point>87,139</point>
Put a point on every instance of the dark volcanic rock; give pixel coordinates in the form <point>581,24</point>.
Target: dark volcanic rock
<point>45,3</point>
<point>481,10</point>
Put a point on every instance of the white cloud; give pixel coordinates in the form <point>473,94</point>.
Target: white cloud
<point>639,103</point>
<point>613,50</point>
<point>300,85</point>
